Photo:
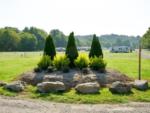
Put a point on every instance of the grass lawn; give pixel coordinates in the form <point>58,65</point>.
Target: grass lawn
<point>128,63</point>
<point>104,96</point>
<point>13,64</point>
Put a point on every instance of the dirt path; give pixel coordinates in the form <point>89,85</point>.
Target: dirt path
<point>12,105</point>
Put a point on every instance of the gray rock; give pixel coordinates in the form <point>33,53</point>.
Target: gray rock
<point>86,71</point>
<point>16,86</point>
<point>32,77</point>
<point>85,78</point>
<point>141,84</point>
<point>52,78</point>
<point>46,87</point>
<point>89,87</point>
<point>120,88</point>
<point>2,83</point>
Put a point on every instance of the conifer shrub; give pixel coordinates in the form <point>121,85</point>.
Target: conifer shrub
<point>82,61</point>
<point>45,62</point>
<point>97,63</point>
<point>96,49</point>
<point>71,50</point>
<point>61,62</point>
<point>49,47</point>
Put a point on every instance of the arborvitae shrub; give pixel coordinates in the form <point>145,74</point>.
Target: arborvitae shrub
<point>82,61</point>
<point>71,50</point>
<point>96,49</point>
<point>97,63</point>
<point>49,47</point>
<point>61,62</point>
<point>45,62</point>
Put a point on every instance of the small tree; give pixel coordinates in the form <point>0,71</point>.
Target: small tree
<point>71,50</point>
<point>96,49</point>
<point>49,47</point>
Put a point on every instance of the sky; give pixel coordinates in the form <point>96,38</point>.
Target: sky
<point>126,17</point>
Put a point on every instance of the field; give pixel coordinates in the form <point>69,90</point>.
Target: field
<point>14,63</point>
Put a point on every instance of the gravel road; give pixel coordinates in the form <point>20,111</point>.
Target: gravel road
<point>14,105</point>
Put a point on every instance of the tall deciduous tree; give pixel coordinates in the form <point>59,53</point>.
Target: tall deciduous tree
<point>59,38</point>
<point>8,40</point>
<point>49,47</point>
<point>96,49</point>
<point>27,42</point>
<point>146,40</point>
<point>39,34</point>
<point>71,50</point>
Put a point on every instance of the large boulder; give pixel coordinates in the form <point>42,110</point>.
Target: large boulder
<point>78,79</point>
<point>16,86</point>
<point>89,87</point>
<point>141,84</point>
<point>120,88</point>
<point>32,77</point>
<point>46,87</point>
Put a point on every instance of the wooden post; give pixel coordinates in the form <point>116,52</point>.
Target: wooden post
<point>139,60</point>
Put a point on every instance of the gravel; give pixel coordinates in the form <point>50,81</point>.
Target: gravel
<point>16,105</point>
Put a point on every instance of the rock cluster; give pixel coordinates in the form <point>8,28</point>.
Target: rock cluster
<point>85,81</point>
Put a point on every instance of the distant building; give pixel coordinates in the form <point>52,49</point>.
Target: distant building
<point>120,49</point>
<point>83,48</point>
<point>60,49</point>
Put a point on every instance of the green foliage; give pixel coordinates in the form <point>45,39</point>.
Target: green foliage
<point>97,63</point>
<point>39,34</point>
<point>49,47</point>
<point>110,40</point>
<point>27,42</point>
<point>71,50</point>
<point>59,38</point>
<point>96,49</point>
<point>82,61</point>
<point>9,40</point>
<point>146,40</point>
<point>45,62</point>
<point>61,62</point>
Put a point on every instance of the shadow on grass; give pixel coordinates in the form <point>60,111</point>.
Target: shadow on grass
<point>79,93</point>
<point>46,94</point>
<point>122,94</point>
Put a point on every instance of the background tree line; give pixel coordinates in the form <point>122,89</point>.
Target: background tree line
<point>33,39</point>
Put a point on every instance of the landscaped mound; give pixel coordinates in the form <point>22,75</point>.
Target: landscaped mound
<point>75,77</point>
<point>86,73</point>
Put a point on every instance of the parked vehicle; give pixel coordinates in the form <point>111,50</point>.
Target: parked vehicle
<point>121,49</point>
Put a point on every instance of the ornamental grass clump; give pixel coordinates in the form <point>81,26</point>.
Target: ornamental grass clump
<point>45,62</point>
<point>61,62</point>
<point>97,63</point>
<point>82,61</point>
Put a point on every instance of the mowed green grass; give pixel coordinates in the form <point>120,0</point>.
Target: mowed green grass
<point>127,63</point>
<point>13,64</point>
